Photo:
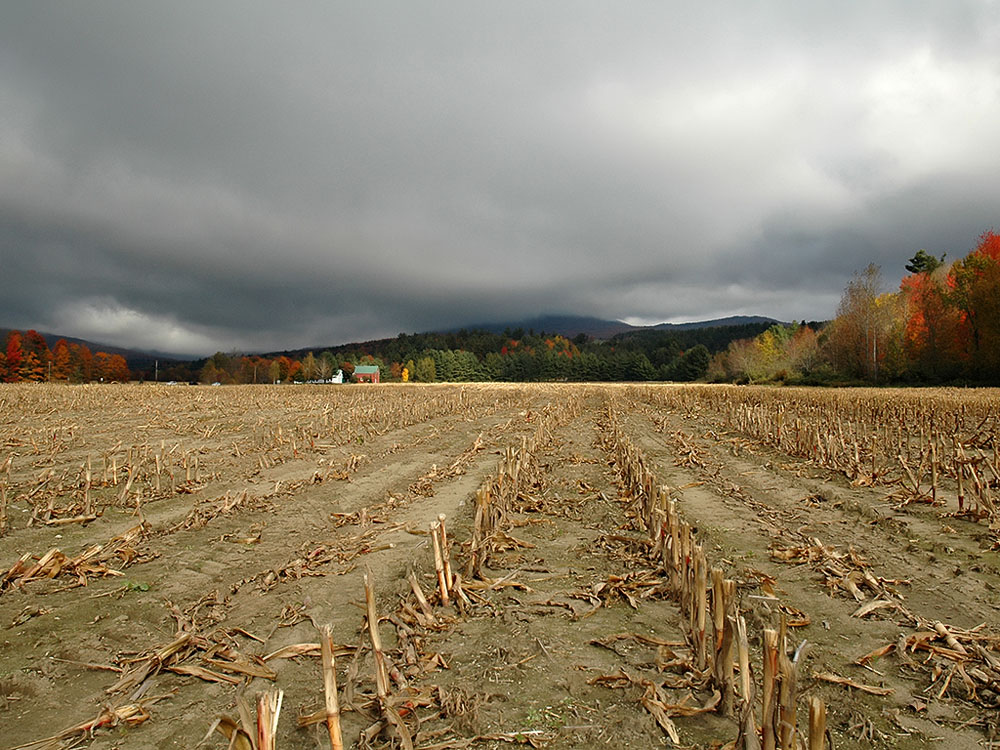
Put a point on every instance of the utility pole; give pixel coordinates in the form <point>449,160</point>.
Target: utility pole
<point>156,371</point>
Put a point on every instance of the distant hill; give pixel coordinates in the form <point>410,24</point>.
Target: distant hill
<point>564,325</point>
<point>732,320</point>
<point>601,329</point>
<point>570,326</point>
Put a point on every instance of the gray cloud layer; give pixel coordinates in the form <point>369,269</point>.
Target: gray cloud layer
<point>198,176</point>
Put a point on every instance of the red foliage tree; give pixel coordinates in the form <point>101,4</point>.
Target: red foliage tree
<point>35,342</point>
<point>287,368</point>
<point>989,245</point>
<point>974,284</point>
<point>934,333</point>
<point>37,357</point>
<point>15,357</point>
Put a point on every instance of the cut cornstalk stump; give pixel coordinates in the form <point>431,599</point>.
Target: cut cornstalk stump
<point>788,704</point>
<point>268,712</point>
<point>425,607</point>
<point>381,673</point>
<point>439,564</point>
<point>769,737</point>
<point>817,724</point>
<point>446,552</point>
<point>330,689</point>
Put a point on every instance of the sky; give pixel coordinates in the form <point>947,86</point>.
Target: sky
<point>192,176</point>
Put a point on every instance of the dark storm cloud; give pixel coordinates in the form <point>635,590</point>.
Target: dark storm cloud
<point>202,176</point>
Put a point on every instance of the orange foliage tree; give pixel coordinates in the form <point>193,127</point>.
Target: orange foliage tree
<point>60,360</point>
<point>102,366</point>
<point>118,369</point>
<point>933,331</point>
<point>81,363</point>
<point>32,368</point>
<point>15,357</point>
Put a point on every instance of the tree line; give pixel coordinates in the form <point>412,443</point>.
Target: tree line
<point>514,355</point>
<point>941,326</point>
<point>27,357</point>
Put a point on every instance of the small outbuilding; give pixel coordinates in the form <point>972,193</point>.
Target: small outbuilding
<point>367,374</point>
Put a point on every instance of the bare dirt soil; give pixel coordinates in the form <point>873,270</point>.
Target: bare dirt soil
<point>234,522</point>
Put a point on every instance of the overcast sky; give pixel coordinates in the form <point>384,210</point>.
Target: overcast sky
<point>202,176</point>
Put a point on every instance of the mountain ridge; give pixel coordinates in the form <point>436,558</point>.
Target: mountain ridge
<point>569,326</point>
<point>602,329</point>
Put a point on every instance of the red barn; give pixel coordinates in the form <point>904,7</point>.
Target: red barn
<point>367,374</point>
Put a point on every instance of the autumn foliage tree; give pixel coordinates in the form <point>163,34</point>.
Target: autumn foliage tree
<point>119,369</point>
<point>60,360</point>
<point>102,365</point>
<point>309,367</point>
<point>209,373</point>
<point>974,292</point>
<point>933,328</point>
<point>27,357</point>
<point>942,324</point>
<point>781,353</point>
<point>81,363</point>
<point>33,369</point>
<point>865,331</point>
<point>14,357</point>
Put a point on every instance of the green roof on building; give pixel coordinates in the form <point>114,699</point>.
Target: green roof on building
<point>366,369</point>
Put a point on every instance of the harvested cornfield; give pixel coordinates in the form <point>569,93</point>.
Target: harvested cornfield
<point>460,566</point>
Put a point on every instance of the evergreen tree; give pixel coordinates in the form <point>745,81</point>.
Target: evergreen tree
<point>693,363</point>
<point>444,365</point>
<point>466,367</point>
<point>924,262</point>
<point>492,366</point>
<point>425,370</point>
<point>640,368</point>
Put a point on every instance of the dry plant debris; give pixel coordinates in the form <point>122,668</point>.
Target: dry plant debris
<point>243,462</point>
<point>93,562</point>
